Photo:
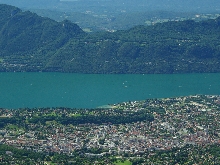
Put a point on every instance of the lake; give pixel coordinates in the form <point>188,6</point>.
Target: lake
<point>18,90</point>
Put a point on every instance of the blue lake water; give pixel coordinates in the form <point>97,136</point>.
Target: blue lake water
<point>18,90</point>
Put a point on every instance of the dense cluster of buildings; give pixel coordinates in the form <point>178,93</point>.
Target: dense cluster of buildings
<point>184,120</point>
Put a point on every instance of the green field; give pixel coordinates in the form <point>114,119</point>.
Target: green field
<point>127,162</point>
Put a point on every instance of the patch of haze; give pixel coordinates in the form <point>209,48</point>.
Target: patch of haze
<point>129,5</point>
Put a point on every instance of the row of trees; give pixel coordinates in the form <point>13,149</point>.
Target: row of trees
<point>96,119</point>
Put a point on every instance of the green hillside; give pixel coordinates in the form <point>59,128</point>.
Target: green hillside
<point>29,42</point>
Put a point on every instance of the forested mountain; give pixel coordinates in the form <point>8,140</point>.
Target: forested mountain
<point>24,31</point>
<point>29,42</point>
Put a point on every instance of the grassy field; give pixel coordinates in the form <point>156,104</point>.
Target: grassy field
<point>127,162</point>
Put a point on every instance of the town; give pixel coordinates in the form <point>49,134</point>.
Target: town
<point>176,123</point>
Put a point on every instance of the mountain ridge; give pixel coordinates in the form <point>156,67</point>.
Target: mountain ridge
<point>29,42</point>
<point>23,26</point>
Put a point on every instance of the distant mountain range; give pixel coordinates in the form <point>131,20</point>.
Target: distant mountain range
<point>91,22</point>
<point>96,15</point>
<point>29,42</point>
<point>118,5</point>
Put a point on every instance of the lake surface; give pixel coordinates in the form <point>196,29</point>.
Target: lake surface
<point>18,90</point>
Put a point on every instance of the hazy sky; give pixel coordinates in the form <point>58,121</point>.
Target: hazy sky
<point>177,5</point>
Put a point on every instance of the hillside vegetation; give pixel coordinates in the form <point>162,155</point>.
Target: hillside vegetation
<point>29,42</point>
